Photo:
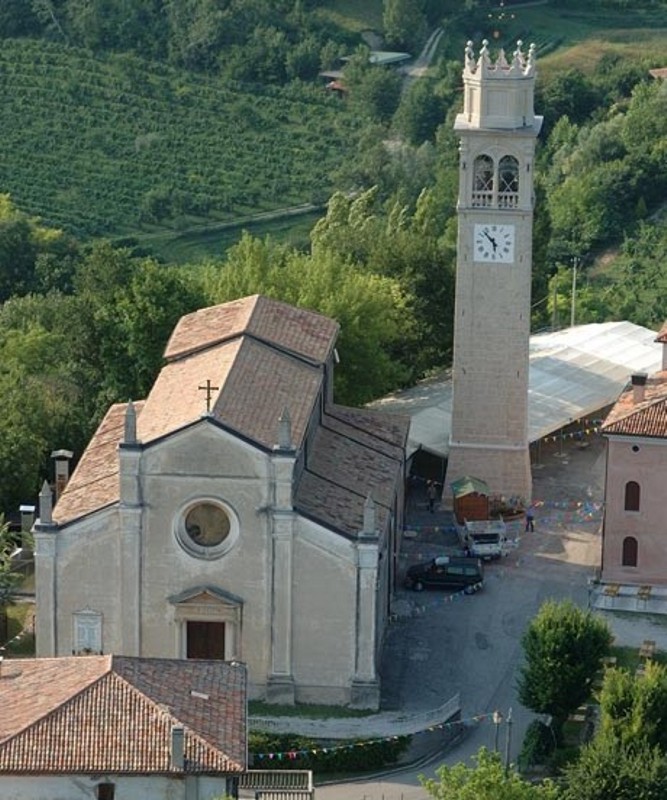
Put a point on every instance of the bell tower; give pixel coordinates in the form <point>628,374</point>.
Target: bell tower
<point>497,130</point>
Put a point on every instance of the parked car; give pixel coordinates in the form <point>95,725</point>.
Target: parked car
<point>448,572</point>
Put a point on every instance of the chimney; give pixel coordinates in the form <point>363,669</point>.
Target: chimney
<point>27,518</point>
<point>177,747</point>
<point>62,459</point>
<point>638,387</point>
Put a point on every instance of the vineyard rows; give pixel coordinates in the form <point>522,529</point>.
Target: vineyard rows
<point>117,145</point>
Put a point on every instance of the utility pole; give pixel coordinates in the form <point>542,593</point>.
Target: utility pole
<point>575,264</point>
<point>554,310</point>
<point>508,742</point>
<point>497,720</point>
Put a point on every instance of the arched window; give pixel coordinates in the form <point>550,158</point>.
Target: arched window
<point>482,188</point>
<point>632,496</point>
<point>508,182</point>
<point>630,548</point>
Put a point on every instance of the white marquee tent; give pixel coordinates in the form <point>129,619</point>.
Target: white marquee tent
<point>573,373</point>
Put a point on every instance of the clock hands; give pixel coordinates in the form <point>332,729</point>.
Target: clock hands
<point>491,239</point>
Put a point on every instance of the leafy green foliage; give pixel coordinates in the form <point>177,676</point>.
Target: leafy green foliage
<point>404,23</point>
<point>627,758</point>
<point>9,578</point>
<point>404,245</point>
<point>633,709</point>
<point>64,358</point>
<point>374,91</point>
<point>607,769</point>
<point>126,310</point>
<point>487,780</point>
<point>605,176</point>
<point>563,648</point>
<point>372,310</point>
<point>538,744</point>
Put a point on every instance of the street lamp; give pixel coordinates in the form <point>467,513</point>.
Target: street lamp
<point>497,721</point>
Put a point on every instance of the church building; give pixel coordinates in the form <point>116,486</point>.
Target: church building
<point>236,513</point>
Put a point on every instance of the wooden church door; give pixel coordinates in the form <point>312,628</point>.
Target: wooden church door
<point>206,640</point>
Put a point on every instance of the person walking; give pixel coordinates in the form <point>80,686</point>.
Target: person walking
<point>530,519</point>
<point>432,494</point>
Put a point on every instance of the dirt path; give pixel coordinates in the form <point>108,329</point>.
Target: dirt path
<point>422,63</point>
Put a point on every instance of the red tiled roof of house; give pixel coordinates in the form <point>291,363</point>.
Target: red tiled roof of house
<point>295,330</point>
<point>100,714</point>
<point>647,418</point>
<point>662,334</point>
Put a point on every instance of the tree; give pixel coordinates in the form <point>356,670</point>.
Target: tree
<point>633,709</point>
<point>419,112</point>
<point>374,90</point>
<point>372,310</point>
<point>488,780</point>
<point>608,769</point>
<point>569,93</point>
<point>404,22</point>
<point>406,245</point>
<point>563,649</point>
<point>126,310</point>
<point>10,580</point>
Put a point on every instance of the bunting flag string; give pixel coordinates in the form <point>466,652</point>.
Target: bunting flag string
<point>572,511</point>
<point>292,755</point>
<point>586,430</point>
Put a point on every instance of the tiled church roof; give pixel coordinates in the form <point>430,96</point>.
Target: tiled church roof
<point>295,330</point>
<point>261,357</point>
<point>101,714</point>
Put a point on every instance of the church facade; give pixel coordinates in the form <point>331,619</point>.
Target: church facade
<point>237,513</point>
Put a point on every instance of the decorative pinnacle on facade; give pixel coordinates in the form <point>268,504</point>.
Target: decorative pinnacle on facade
<point>522,64</point>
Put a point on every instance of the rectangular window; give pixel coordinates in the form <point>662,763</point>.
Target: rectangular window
<point>106,791</point>
<point>87,633</point>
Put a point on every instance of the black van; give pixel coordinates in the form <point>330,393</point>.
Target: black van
<point>450,572</point>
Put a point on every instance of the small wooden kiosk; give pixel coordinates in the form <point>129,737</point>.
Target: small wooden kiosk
<point>471,499</point>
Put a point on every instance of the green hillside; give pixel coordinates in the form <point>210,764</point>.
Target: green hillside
<point>116,145</point>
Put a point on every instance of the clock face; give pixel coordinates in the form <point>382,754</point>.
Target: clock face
<point>494,243</point>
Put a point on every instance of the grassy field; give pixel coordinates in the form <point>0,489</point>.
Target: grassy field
<point>354,15</point>
<point>211,245</point>
<point>578,39</point>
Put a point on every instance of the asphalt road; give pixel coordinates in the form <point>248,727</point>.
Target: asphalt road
<point>472,644</point>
